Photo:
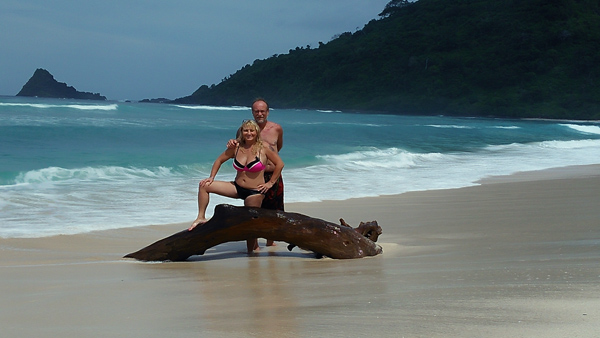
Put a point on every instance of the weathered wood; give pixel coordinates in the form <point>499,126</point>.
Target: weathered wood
<point>230,223</point>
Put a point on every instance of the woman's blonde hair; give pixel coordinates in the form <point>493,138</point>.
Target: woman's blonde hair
<point>257,147</point>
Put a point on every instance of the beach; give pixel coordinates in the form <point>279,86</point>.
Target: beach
<point>515,256</point>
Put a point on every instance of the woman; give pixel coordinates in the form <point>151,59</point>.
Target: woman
<point>249,159</point>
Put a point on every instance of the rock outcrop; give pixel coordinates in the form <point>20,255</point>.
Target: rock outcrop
<point>43,84</point>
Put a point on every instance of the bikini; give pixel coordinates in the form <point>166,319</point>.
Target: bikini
<point>252,167</point>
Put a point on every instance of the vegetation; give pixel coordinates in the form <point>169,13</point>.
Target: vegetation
<point>511,58</point>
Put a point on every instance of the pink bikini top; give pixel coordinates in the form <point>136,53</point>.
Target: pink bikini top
<point>253,167</point>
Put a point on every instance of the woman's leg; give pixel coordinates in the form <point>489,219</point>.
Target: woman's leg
<point>253,201</point>
<point>216,187</point>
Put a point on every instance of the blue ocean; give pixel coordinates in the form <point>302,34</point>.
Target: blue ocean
<point>69,167</point>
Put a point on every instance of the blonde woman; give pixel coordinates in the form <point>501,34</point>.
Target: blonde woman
<point>250,159</point>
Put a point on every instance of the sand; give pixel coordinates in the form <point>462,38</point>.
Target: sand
<point>517,256</point>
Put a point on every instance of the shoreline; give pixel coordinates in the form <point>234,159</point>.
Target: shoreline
<point>514,256</point>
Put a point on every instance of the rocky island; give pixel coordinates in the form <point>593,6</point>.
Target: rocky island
<point>43,84</point>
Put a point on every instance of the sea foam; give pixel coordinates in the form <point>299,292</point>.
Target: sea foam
<point>201,107</point>
<point>103,173</point>
<point>587,129</point>
<point>112,106</point>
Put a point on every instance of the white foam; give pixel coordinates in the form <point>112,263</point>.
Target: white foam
<point>201,107</point>
<point>112,106</point>
<point>56,200</point>
<point>393,171</point>
<point>449,126</point>
<point>506,127</point>
<point>586,129</point>
<point>104,173</point>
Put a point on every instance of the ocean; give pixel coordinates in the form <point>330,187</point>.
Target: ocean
<point>70,167</point>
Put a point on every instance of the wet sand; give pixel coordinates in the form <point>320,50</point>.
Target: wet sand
<point>517,256</point>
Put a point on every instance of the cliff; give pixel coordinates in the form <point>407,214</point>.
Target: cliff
<point>43,84</point>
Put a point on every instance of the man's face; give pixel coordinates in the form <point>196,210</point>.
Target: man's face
<point>260,112</point>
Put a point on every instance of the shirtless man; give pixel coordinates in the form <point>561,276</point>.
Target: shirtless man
<point>272,136</point>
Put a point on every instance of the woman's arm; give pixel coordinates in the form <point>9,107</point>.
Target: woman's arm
<point>226,155</point>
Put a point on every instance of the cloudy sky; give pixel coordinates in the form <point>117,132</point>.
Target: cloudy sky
<point>136,49</point>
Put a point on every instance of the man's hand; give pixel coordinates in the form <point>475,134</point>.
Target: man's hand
<point>231,144</point>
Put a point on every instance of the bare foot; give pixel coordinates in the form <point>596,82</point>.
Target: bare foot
<point>197,222</point>
<point>271,243</point>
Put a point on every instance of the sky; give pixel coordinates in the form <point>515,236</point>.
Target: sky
<point>137,49</point>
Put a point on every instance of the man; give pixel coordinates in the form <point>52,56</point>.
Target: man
<point>272,136</point>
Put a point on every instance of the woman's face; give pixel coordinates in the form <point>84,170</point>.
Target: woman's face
<point>249,133</point>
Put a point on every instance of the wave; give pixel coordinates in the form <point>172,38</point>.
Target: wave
<point>550,145</point>
<point>325,123</point>
<point>112,106</point>
<point>377,172</point>
<point>573,144</point>
<point>106,173</point>
<point>490,160</point>
<point>454,126</point>
<point>391,158</point>
<point>448,126</point>
<point>93,198</point>
<point>552,153</point>
<point>506,127</point>
<point>211,107</point>
<point>586,129</point>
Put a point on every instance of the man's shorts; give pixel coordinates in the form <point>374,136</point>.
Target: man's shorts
<point>273,197</point>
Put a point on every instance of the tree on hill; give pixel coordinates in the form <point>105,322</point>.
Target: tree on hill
<point>514,58</point>
<point>391,7</point>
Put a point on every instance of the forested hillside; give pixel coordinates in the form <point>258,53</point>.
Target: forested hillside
<point>511,58</point>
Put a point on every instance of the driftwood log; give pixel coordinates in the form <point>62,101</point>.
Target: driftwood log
<point>230,223</point>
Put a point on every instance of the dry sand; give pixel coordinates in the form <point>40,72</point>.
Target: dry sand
<point>517,256</point>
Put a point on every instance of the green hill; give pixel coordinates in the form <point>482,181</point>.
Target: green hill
<point>511,58</point>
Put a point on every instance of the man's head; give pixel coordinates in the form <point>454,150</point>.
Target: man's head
<point>260,111</point>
